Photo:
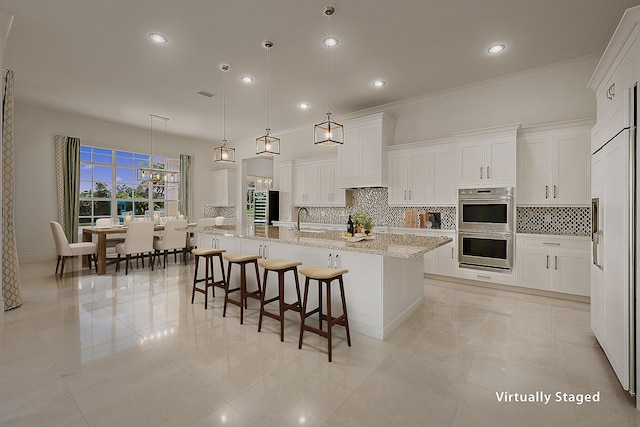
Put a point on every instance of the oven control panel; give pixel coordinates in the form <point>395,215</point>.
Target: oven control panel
<point>485,192</point>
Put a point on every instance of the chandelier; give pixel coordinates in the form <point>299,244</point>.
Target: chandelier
<point>157,172</point>
<point>268,145</point>
<point>328,133</point>
<point>224,153</point>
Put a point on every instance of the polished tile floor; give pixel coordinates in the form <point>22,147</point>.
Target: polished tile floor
<point>131,350</point>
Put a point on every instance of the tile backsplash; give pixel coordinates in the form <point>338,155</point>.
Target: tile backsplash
<point>575,221</point>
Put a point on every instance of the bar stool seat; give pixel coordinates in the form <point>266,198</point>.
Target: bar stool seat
<point>324,275</point>
<point>279,266</point>
<point>242,259</point>
<point>210,282</point>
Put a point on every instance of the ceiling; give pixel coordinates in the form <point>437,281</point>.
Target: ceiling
<point>94,58</point>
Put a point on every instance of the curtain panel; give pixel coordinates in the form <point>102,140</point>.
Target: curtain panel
<point>185,190</point>
<point>67,156</point>
<point>11,293</point>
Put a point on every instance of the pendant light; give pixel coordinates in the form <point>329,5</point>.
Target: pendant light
<point>224,153</point>
<point>151,173</point>
<point>328,133</point>
<point>268,145</point>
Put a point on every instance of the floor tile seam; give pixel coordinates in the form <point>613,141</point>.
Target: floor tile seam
<point>390,409</point>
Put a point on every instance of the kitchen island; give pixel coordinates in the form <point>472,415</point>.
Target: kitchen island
<point>385,280</point>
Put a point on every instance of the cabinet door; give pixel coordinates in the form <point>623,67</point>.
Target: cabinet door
<point>471,163</point>
<point>312,185</point>
<point>571,272</point>
<point>570,163</point>
<point>447,259</point>
<point>418,182</point>
<point>300,185</point>
<point>398,180</point>
<point>326,173</point>
<point>443,177</point>
<point>500,161</point>
<point>534,267</point>
<point>534,169</point>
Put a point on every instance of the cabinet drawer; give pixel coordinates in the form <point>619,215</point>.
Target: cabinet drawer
<point>554,243</point>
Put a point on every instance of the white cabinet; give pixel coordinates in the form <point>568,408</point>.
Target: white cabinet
<point>315,183</point>
<point>553,263</point>
<point>224,187</point>
<point>363,156</point>
<point>409,178</point>
<point>554,167</point>
<point>443,260</point>
<point>487,157</point>
<point>442,176</point>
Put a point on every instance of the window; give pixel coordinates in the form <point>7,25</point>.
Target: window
<point>109,186</point>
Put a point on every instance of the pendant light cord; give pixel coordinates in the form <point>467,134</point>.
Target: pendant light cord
<point>268,83</point>
<point>329,66</point>
<point>224,105</point>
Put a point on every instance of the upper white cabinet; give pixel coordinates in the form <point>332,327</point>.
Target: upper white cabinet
<point>224,187</point>
<point>487,156</point>
<point>422,175</point>
<point>316,183</point>
<point>554,167</point>
<point>409,177</point>
<point>363,156</point>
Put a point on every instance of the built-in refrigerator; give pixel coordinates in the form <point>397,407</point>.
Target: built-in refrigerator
<point>613,186</point>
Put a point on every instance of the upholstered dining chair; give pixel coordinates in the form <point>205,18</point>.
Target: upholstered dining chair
<point>137,241</point>
<point>66,250</point>
<point>172,240</point>
<point>112,239</point>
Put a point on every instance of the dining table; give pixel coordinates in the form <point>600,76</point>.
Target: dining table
<point>102,233</point>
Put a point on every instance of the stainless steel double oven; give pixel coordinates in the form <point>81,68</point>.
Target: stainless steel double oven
<point>486,228</point>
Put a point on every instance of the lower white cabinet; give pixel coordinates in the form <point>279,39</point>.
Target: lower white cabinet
<point>554,263</point>
<point>443,260</point>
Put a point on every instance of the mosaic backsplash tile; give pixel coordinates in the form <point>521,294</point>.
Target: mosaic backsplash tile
<point>574,221</point>
<point>211,211</point>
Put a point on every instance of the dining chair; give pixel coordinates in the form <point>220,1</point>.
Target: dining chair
<point>172,239</point>
<point>66,250</point>
<point>137,241</point>
<point>112,239</point>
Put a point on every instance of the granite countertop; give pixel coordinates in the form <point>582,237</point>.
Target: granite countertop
<point>388,244</point>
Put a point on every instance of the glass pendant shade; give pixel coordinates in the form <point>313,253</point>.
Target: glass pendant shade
<point>224,153</point>
<point>267,145</point>
<point>328,133</point>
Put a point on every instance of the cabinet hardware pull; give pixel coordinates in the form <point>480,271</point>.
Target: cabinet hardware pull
<point>555,261</point>
<point>611,91</point>
<point>329,261</point>
<point>546,191</point>
<point>547,262</point>
<point>452,252</point>
<point>260,250</point>
<point>409,194</point>
<point>480,172</point>
<point>405,194</point>
<point>335,262</point>
<point>483,277</point>
<point>551,243</point>
<point>488,171</point>
<point>265,253</point>
<point>554,191</point>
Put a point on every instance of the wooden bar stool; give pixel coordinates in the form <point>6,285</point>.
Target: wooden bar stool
<point>242,260</point>
<point>279,266</point>
<point>323,275</point>
<point>209,280</point>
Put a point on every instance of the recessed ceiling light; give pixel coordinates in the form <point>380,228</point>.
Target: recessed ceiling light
<point>246,79</point>
<point>330,41</point>
<point>304,106</point>
<point>157,38</point>
<point>496,48</point>
<point>379,83</point>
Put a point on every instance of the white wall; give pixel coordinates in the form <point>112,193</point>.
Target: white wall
<point>34,130</point>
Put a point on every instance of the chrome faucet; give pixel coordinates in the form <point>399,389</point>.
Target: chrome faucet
<point>299,210</point>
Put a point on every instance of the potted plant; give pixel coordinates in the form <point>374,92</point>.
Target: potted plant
<point>363,222</point>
